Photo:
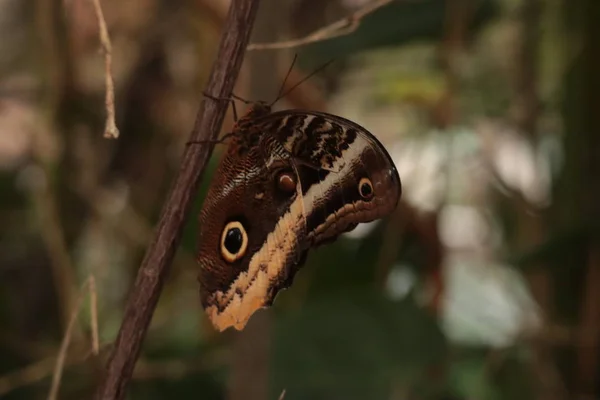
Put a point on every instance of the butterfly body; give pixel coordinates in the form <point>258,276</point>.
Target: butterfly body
<point>289,181</point>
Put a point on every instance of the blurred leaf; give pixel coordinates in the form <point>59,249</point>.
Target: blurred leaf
<point>557,246</point>
<point>469,378</point>
<point>514,377</point>
<point>353,344</point>
<point>426,86</point>
<point>344,263</point>
<point>11,197</point>
<point>192,386</point>
<point>396,24</point>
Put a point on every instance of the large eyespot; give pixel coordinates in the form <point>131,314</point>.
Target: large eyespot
<point>365,188</point>
<point>234,241</point>
<point>286,181</point>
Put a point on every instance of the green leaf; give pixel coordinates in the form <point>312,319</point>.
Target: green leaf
<point>469,378</point>
<point>353,344</point>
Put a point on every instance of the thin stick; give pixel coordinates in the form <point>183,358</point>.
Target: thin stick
<point>341,27</point>
<point>159,256</point>
<point>62,353</point>
<point>36,371</point>
<point>110,131</point>
<point>94,315</point>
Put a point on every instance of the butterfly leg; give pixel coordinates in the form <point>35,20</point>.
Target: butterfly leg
<point>231,100</point>
<point>215,141</point>
<point>228,99</point>
<point>235,118</point>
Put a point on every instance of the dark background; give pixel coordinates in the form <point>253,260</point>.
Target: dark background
<point>484,284</point>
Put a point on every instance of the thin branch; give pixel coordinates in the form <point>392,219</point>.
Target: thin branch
<point>341,27</point>
<point>159,256</point>
<point>304,96</point>
<point>60,360</point>
<point>144,370</point>
<point>94,315</point>
<point>110,131</point>
<point>64,346</point>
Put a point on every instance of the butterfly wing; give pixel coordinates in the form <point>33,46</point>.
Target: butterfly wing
<point>293,180</point>
<point>347,175</point>
<point>250,234</point>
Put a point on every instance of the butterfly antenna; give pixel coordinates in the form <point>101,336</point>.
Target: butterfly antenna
<point>287,75</point>
<point>238,98</point>
<point>316,71</point>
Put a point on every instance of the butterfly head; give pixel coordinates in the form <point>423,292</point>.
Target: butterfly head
<point>258,109</point>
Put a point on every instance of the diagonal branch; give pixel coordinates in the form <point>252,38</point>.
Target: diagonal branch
<point>159,256</point>
<point>341,27</point>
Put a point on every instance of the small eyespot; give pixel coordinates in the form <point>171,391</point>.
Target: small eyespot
<point>234,241</point>
<point>365,188</point>
<point>286,182</point>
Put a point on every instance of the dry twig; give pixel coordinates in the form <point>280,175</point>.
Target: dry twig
<point>340,27</point>
<point>62,354</point>
<point>94,316</point>
<point>159,256</point>
<point>110,131</point>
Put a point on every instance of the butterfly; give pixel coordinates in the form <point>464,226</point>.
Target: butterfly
<point>289,181</point>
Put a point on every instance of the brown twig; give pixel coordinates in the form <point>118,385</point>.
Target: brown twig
<point>94,315</point>
<point>155,265</point>
<point>64,346</point>
<point>589,327</point>
<point>110,131</point>
<point>305,96</point>
<point>340,27</point>
<point>62,354</point>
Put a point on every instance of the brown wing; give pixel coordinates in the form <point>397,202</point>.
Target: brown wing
<point>245,195</point>
<point>329,159</point>
<point>334,156</point>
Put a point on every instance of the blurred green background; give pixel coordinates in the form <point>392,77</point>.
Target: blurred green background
<point>484,284</point>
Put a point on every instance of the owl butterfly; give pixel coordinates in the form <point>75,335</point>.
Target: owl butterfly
<point>289,181</point>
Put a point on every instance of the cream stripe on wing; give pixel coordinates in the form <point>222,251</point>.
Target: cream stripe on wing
<point>240,178</point>
<point>350,155</point>
<point>269,262</point>
<point>264,267</point>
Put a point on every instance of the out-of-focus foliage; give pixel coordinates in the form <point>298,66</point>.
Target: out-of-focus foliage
<point>364,345</point>
<point>400,23</point>
<point>482,285</point>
